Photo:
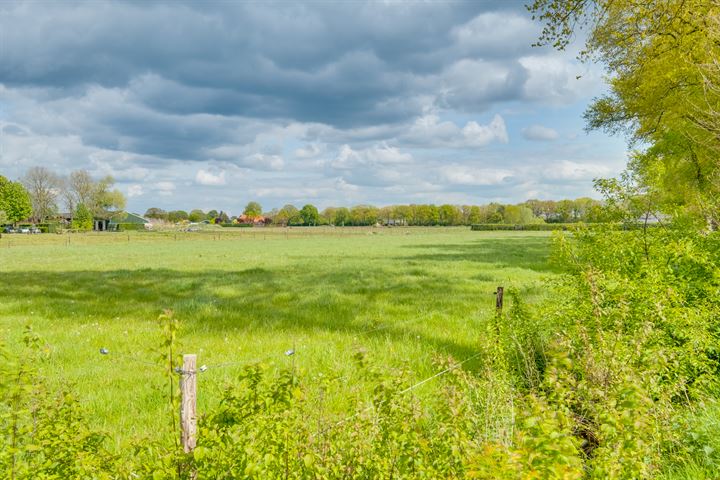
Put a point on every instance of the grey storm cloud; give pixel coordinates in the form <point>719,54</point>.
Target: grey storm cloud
<point>333,99</point>
<point>342,64</point>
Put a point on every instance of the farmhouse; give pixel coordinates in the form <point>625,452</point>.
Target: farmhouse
<point>256,221</point>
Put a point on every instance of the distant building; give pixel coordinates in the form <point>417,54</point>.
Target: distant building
<point>257,221</point>
<point>118,221</point>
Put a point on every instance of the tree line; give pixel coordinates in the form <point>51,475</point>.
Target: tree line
<point>39,194</point>
<point>528,212</point>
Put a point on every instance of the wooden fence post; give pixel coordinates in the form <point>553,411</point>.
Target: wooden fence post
<point>499,300</point>
<point>188,405</point>
<point>498,312</point>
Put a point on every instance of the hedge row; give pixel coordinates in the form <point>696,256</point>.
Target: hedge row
<point>126,227</point>
<point>534,227</point>
<point>537,227</point>
<point>236,225</point>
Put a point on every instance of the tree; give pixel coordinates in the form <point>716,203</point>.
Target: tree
<point>342,216</point>
<point>44,188</point>
<point>3,217</point>
<point>78,188</point>
<point>328,215</point>
<point>475,215</point>
<point>288,215</point>
<point>14,201</point>
<point>222,217</point>
<point>309,214</point>
<point>663,63</point>
<point>212,215</point>
<point>177,216</point>
<point>520,215</point>
<point>364,215</point>
<point>253,210</point>
<point>449,215</point>
<point>97,196</point>
<point>196,216</point>
<point>156,213</point>
<point>82,218</point>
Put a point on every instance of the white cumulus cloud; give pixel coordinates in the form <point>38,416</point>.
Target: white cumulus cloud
<point>465,175</point>
<point>429,131</point>
<point>204,177</point>
<point>540,133</point>
<point>134,191</point>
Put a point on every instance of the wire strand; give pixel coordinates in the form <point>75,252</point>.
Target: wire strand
<point>402,392</point>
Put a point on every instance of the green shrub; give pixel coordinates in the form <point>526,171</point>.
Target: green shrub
<point>236,225</point>
<point>129,227</point>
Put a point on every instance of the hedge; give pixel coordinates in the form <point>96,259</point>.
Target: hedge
<point>538,227</point>
<point>533,227</point>
<point>236,225</point>
<point>126,227</point>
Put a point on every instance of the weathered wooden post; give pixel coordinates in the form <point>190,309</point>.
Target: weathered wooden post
<point>188,405</point>
<point>499,300</point>
<point>498,312</point>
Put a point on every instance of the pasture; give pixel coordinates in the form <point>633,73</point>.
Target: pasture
<point>402,296</point>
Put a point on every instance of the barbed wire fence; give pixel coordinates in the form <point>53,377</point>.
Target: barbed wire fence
<point>189,371</point>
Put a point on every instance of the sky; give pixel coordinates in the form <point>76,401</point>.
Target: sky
<point>213,104</point>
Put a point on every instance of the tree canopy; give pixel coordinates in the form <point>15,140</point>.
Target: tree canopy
<point>253,209</point>
<point>663,64</point>
<point>14,201</point>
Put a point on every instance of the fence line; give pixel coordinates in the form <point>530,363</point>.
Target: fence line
<point>403,392</point>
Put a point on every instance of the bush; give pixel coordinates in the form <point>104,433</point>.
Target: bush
<point>531,227</point>
<point>128,227</point>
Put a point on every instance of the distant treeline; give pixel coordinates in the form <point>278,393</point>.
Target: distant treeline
<point>526,213</point>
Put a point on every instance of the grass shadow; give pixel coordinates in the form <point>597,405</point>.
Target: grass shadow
<point>531,253</point>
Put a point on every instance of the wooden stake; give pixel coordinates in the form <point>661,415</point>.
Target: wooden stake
<point>188,405</point>
<point>499,299</point>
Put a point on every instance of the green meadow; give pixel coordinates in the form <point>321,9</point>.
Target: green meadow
<point>402,296</point>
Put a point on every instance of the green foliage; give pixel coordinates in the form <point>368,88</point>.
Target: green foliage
<point>532,227</point>
<point>156,213</point>
<point>288,215</point>
<point>43,432</point>
<point>82,218</point>
<point>309,214</point>
<point>15,201</point>
<point>615,376</point>
<point>197,216</point>
<point>253,209</point>
<point>662,61</point>
<point>130,227</point>
<point>236,225</point>
<point>176,216</point>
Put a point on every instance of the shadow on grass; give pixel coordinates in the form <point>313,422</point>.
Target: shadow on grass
<point>531,253</point>
<point>288,301</point>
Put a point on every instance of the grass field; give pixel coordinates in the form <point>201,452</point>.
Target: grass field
<point>403,295</point>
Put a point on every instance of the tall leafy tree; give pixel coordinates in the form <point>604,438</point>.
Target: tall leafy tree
<point>196,215</point>
<point>14,201</point>
<point>157,213</point>
<point>309,214</point>
<point>663,64</point>
<point>253,209</point>
<point>288,215</point>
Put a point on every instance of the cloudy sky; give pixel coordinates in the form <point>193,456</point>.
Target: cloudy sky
<point>212,104</point>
